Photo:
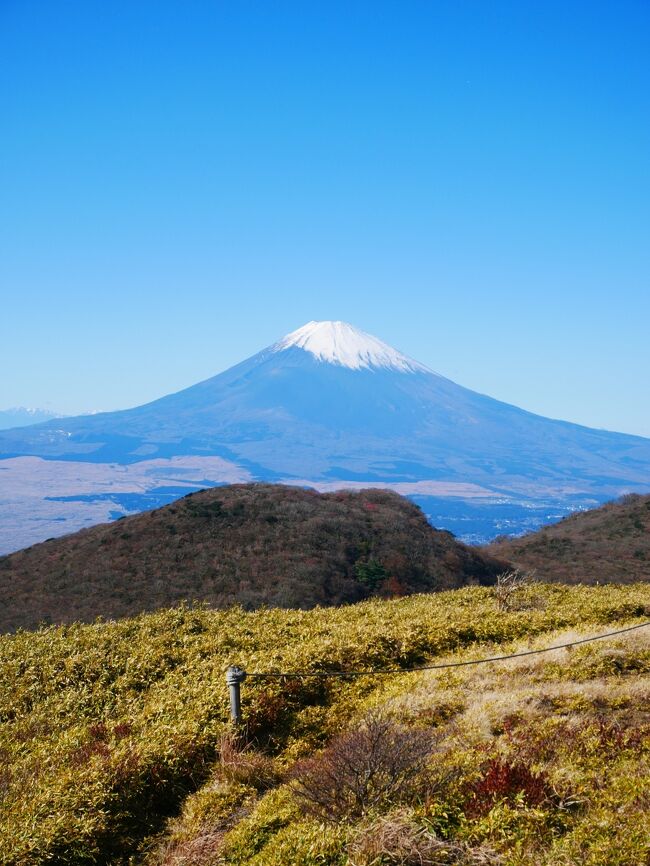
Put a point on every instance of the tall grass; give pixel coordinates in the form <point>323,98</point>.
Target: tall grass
<point>111,734</point>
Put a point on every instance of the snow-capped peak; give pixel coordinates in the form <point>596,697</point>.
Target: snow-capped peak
<point>342,344</point>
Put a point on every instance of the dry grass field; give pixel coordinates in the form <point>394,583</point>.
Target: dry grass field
<point>116,746</point>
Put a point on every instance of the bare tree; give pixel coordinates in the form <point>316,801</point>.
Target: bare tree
<point>508,587</point>
<point>378,762</point>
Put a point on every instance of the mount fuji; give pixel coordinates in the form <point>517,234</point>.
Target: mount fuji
<point>327,406</point>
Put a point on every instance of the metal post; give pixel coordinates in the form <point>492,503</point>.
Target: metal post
<point>234,676</point>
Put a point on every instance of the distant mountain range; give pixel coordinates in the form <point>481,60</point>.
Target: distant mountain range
<point>20,416</point>
<point>327,406</point>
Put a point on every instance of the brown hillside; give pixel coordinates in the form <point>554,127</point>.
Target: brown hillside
<point>610,544</point>
<point>248,544</point>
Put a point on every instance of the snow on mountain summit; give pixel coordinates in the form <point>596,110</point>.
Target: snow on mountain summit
<point>342,344</point>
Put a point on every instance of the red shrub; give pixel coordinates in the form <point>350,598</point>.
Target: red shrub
<point>82,754</point>
<point>98,732</point>
<point>122,730</point>
<point>500,781</point>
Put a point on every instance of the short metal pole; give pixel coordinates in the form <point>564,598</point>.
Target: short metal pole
<point>234,677</point>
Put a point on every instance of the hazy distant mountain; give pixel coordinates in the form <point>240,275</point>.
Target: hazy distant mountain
<point>19,416</point>
<point>331,406</point>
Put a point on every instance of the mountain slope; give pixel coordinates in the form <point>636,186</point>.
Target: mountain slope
<point>291,411</point>
<point>330,405</point>
<point>246,544</point>
<point>607,544</point>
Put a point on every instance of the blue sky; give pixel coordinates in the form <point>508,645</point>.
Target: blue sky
<point>183,183</point>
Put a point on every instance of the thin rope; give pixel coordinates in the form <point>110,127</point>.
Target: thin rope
<point>437,667</point>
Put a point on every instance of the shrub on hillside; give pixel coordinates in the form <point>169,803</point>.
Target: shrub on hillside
<point>505,780</point>
<point>509,588</point>
<point>375,764</point>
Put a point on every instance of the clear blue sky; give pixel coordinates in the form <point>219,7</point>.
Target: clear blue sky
<point>181,183</point>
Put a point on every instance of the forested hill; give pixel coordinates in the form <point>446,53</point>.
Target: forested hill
<point>610,544</point>
<point>248,544</point>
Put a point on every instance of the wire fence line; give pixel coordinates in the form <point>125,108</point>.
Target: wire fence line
<point>443,665</point>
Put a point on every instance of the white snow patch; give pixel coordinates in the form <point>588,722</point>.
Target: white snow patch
<point>342,344</point>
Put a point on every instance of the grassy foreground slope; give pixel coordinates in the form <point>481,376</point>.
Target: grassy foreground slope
<point>114,740</point>
<point>248,544</point>
<point>602,545</point>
